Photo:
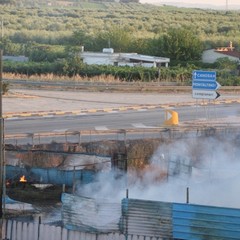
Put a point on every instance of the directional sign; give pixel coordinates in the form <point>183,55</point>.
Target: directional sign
<point>205,94</point>
<point>205,85</point>
<point>204,75</point>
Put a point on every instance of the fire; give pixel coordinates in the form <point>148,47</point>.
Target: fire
<point>23,179</point>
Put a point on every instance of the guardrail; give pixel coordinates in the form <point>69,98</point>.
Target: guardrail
<point>75,136</point>
<point>123,86</point>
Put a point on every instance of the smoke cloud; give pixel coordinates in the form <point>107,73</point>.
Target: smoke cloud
<point>208,167</point>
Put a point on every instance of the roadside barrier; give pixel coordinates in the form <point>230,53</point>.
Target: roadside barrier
<point>163,132</point>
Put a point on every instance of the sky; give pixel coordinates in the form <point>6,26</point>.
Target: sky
<point>201,2</point>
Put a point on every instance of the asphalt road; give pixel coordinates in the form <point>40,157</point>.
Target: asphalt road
<point>138,119</point>
<point>33,101</point>
<point>36,111</point>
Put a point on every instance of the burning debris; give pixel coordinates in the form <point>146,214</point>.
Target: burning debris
<point>23,179</point>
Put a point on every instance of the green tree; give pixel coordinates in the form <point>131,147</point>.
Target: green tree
<point>181,45</point>
<point>10,48</point>
<point>73,51</point>
<point>73,65</point>
<point>139,45</point>
<point>80,38</point>
<point>226,63</point>
<point>155,47</point>
<point>117,38</point>
<point>44,53</point>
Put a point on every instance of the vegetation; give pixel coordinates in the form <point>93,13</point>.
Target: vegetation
<point>51,35</point>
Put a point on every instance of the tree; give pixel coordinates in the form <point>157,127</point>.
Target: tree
<point>181,45</point>
<point>117,38</point>
<point>80,38</point>
<point>226,63</point>
<point>155,47</point>
<point>10,48</point>
<point>139,45</point>
<point>73,65</point>
<point>44,53</point>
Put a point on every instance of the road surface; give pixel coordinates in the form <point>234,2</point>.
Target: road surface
<point>36,111</point>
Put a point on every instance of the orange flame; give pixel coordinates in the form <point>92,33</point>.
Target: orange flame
<point>23,179</point>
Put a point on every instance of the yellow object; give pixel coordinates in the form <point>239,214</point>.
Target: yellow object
<point>171,118</point>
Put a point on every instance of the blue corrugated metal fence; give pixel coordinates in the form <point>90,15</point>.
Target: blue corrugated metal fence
<point>51,175</point>
<point>89,214</point>
<point>146,218</point>
<point>196,222</point>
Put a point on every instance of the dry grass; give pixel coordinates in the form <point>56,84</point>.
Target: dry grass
<point>51,77</point>
<point>112,83</point>
<point>96,83</point>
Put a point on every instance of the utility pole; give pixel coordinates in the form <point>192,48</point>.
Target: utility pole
<point>1,147</point>
<point>2,33</point>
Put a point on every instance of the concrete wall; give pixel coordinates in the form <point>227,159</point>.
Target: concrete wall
<point>210,56</point>
<point>15,58</point>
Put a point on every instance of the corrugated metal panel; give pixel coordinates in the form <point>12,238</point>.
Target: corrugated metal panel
<point>51,175</point>
<point>19,230</point>
<point>55,176</point>
<point>14,172</point>
<point>87,214</point>
<point>205,222</point>
<point>146,218</point>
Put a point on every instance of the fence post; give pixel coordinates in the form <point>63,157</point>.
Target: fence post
<point>74,182</point>
<point>39,223</point>
<point>187,195</point>
<point>79,139</point>
<point>66,136</point>
<point>39,141</point>
<point>126,232</point>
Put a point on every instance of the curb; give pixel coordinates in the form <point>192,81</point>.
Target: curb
<point>124,108</point>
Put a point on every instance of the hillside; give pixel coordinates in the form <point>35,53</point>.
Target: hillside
<point>53,22</point>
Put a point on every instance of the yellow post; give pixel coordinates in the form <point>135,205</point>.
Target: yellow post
<point>171,118</point>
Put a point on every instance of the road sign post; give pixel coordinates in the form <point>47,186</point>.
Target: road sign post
<point>204,85</point>
<point>204,75</point>
<point>202,94</point>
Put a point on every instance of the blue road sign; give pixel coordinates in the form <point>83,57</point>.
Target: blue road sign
<point>204,75</point>
<point>205,85</point>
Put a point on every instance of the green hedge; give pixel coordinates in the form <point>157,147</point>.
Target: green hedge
<point>178,74</point>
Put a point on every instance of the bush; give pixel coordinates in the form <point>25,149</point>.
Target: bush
<point>5,88</point>
<point>75,67</point>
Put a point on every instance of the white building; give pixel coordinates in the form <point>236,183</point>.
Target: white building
<point>211,55</point>
<point>108,57</point>
<point>15,58</point>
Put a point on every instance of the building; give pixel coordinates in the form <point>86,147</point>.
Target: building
<point>15,58</point>
<point>211,55</point>
<point>108,57</point>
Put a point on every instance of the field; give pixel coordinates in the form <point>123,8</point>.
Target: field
<point>51,36</point>
<point>53,24</point>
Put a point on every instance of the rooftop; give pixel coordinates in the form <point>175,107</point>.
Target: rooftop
<point>229,50</point>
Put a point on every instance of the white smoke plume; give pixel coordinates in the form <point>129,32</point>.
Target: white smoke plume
<point>208,167</point>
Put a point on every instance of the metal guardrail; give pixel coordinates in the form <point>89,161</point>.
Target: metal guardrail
<point>184,130</point>
<point>118,86</point>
